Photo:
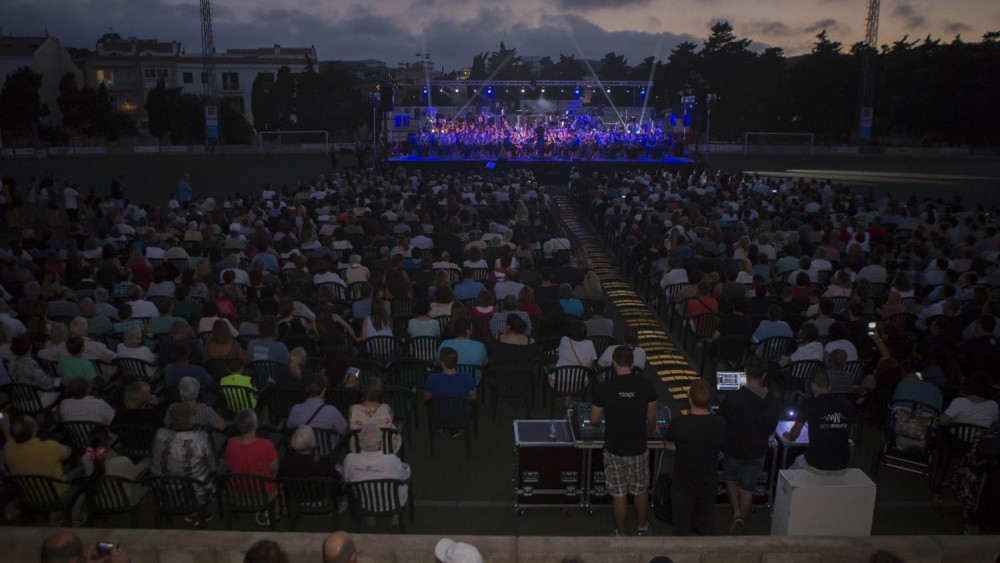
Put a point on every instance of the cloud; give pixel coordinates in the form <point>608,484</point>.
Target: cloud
<point>912,17</point>
<point>767,28</point>
<point>829,24</point>
<point>957,27</point>
<point>586,5</point>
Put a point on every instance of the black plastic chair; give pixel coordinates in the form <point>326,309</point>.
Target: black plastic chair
<point>454,414</point>
<point>76,434</point>
<point>368,367</point>
<point>242,493</point>
<point>423,348</point>
<point>265,373</point>
<point>107,495</point>
<point>389,435</point>
<point>343,397</point>
<point>312,495</point>
<point>177,495</point>
<point>511,383</point>
<point>480,274</point>
<point>774,348</point>
<point>443,322</point>
<point>328,443</point>
<point>858,370</point>
<point>355,289</point>
<point>569,381</point>
<point>799,375</point>
<point>135,441</point>
<point>601,343</point>
<point>410,373</point>
<point>381,348</point>
<point>379,498</point>
<point>40,494</point>
<point>279,402</point>
<point>236,398</point>
<point>26,399</point>
<point>217,368</point>
<point>131,370</point>
<point>730,351</point>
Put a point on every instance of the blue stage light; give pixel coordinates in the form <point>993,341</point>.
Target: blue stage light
<point>642,91</point>
<point>489,90</point>
<point>425,91</point>
<point>577,91</point>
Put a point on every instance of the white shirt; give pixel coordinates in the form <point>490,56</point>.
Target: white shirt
<point>810,351</point>
<point>143,308</point>
<point>327,278</point>
<point>638,357</point>
<point>965,411</point>
<point>70,194</point>
<point>368,466</point>
<point>573,353</point>
<point>846,345</point>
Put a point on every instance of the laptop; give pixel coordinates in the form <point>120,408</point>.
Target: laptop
<point>730,380</point>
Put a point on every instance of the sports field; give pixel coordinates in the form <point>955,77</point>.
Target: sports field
<point>151,178</point>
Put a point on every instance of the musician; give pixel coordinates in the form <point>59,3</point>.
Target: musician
<point>628,404</point>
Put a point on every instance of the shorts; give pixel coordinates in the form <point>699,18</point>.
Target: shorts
<point>743,472</point>
<point>626,474</point>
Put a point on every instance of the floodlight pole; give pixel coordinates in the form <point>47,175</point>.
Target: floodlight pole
<point>375,98</point>
<point>709,98</point>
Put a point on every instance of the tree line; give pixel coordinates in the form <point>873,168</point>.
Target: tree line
<point>927,91</point>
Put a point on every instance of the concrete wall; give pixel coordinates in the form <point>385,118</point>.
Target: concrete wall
<point>21,545</point>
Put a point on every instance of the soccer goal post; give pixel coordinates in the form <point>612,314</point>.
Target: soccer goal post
<point>277,141</point>
<point>768,142</point>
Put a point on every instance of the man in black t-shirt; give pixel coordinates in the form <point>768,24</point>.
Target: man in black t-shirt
<point>697,439</point>
<point>829,418</point>
<point>628,404</point>
<point>751,415</point>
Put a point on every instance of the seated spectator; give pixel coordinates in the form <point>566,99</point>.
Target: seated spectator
<point>838,341</point>
<point>54,348</point>
<point>80,406</point>
<point>443,301</point>
<point>526,302</point>
<point>841,382</point>
<point>179,450</point>
<point>372,411</point>
<point>509,308</point>
<point>251,320</point>
<point>222,345</point>
<point>372,464</point>
<point>485,305</point>
<point>267,347</point>
<point>513,348</point>
<point>470,352</point>
<point>975,408</point>
<point>300,461</point>
<point>25,454</point>
<point>468,289</point>
<point>810,348</point>
<point>449,383</point>
<point>248,454</point>
<point>772,326</point>
<point>325,275</point>
<point>97,323</point>
<point>378,323</point>
<point>181,367</point>
<point>24,369</point>
<point>291,324</point>
<point>165,321</point>
<point>630,338</point>
<point>422,324</point>
<point>139,406</point>
<point>575,349</point>
<point>316,413</point>
<point>75,365</point>
<point>597,324</point>
<point>210,314</point>
<point>570,305</point>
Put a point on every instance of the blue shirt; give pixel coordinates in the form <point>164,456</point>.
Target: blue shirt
<point>269,350</point>
<point>572,307</point>
<point>468,290</point>
<point>186,192</point>
<point>470,352</point>
<point>173,373</point>
<point>768,329</point>
<point>441,385</point>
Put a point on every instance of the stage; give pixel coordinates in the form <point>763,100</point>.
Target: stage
<point>545,170</point>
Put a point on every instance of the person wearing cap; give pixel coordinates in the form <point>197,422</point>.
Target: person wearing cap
<point>179,450</point>
<point>448,550</point>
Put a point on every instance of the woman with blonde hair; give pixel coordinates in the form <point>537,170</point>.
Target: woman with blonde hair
<point>297,361</point>
<point>746,273</point>
<point>592,286</point>
<point>132,347</point>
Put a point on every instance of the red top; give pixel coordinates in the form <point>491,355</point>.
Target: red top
<point>254,458</point>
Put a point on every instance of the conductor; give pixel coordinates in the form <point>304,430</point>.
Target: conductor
<point>628,404</point>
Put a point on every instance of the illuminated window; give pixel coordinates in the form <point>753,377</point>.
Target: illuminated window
<point>106,77</point>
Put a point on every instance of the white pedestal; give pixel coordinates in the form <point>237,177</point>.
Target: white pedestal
<point>807,504</point>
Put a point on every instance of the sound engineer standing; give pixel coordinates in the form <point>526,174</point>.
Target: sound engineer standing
<point>628,404</point>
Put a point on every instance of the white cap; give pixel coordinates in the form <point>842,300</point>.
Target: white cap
<point>449,551</point>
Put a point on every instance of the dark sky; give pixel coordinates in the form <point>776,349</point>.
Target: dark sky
<point>453,31</point>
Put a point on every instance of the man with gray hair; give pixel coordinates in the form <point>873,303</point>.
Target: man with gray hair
<point>92,349</point>
<point>372,463</point>
<point>188,390</point>
<point>96,322</point>
<point>101,305</point>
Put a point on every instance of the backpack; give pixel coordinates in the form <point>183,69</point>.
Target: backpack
<point>662,505</point>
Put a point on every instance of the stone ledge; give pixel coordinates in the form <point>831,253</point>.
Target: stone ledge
<point>185,546</point>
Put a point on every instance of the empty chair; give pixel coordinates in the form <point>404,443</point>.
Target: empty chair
<point>381,348</point>
<point>423,348</point>
<point>133,369</point>
<point>43,495</point>
<point>772,349</point>
<point>312,495</point>
<point>110,494</point>
<point>511,383</point>
<point>454,414</point>
<point>176,495</point>
<point>569,382</point>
